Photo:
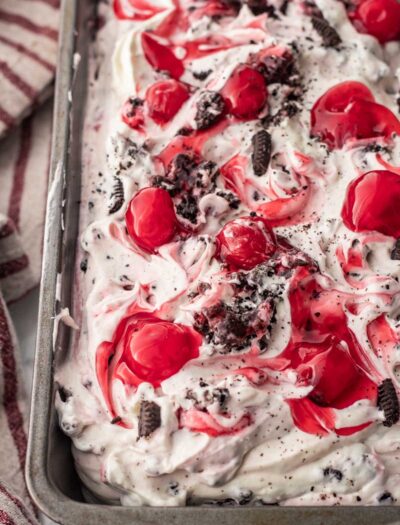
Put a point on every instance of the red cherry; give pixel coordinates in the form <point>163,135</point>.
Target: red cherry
<point>379,18</point>
<point>243,243</point>
<point>336,363</point>
<point>155,351</point>
<point>348,111</point>
<point>132,113</point>
<point>372,203</point>
<point>164,99</point>
<point>245,92</point>
<point>150,218</point>
<point>160,57</point>
<point>144,348</point>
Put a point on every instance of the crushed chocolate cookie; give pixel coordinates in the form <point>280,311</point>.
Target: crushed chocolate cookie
<point>84,265</point>
<point>233,326</point>
<point>149,418</point>
<point>329,35</point>
<point>277,69</point>
<point>117,196</point>
<point>202,75</point>
<point>173,488</point>
<point>234,202</point>
<point>187,180</point>
<point>388,402</point>
<point>184,132</point>
<point>221,395</point>
<point>210,108</point>
<point>261,155</point>
<point>311,9</point>
<point>284,7</point>
<point>64,394</point>
<point>116,419</point>
<point>257,7</point>
<point>386,497</point>
<point>188,208</point>
<point>330,472</point>
<point>395,253</point>
<point>244,498</point>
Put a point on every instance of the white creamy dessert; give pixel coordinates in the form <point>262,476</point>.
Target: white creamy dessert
<point>238,300</point>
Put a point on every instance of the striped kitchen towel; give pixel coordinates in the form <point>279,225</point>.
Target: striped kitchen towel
<point>16,507</point>
<point>28,47</point>
<point>24,163</point>
<point>28,51</point>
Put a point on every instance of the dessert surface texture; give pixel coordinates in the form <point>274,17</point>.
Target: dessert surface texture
<point>237,296</point>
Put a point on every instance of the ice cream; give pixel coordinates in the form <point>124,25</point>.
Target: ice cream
<point>238,286</point>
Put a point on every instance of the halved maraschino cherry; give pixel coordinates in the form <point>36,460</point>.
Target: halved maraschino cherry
<point>156,350</point>
<point>132,113</point>
<point>379,18</point>
<point>160,57</point>
<point>150,218</point>
<point>245,92</point>
<point>144,348</point>
<point>373,202</point>
<point>164,99</point>
<point>348,111</point>
<point>326,355</point>
<point>323,364</point>
<point>246,242</point>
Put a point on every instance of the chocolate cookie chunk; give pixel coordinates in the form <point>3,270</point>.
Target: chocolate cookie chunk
<point>117,198</point>
<point>261,155</point>
<point>149,418</point>
<point>188,208</point>
<point>388,402</point>
<point>277,69</point>
<point>395,253</point>
<point>210,108</point>
<point>329,35</point>
<point>257,7</point>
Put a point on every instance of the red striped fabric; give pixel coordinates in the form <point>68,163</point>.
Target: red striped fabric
<point>28,50</point>
<point>18,180</point>
<point>6,519</point>
<point>25,23</point>
<point>18,504</point>
<point>21,49</point>
<point>28,47</point>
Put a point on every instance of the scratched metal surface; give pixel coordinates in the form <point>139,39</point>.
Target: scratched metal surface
<point>50,473</point>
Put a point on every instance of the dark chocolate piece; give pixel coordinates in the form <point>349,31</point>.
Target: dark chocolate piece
<point>388,402</point>
<point>329,35</point>
<point>261,152</point>
<point>210,108</point>
<point>149,418</point>
<point>117,196</point>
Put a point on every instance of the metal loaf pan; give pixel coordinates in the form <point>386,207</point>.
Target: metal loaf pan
<point>50,473</point>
